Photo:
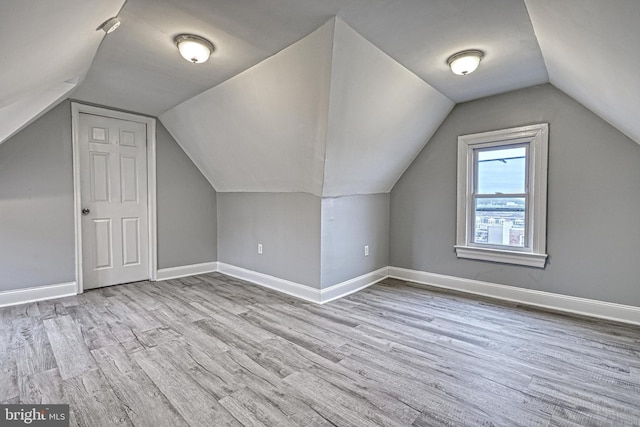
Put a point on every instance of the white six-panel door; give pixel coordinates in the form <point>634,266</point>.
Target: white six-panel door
<point>113,196</point>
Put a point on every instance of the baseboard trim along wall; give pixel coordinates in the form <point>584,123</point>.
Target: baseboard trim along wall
<point>565,303</point>
<point>38,293</point>
<point>307,293</point>
<point>548,300</point>
<point>353,285</point>
<point>281,285</point>
<point>186,270</point>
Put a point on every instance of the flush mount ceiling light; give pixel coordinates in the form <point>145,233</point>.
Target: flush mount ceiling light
<point>465,62</point>
<point>110,25</point>
<point>194,48</point>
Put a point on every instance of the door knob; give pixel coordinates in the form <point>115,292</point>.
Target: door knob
<point>85,211</point>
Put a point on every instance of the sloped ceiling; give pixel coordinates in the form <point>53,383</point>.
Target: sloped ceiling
<point>264,129</point>
<point>587,48</point>
<point>380,117</point>
<point>330,115</point>
<point>141,54</point>
<point>592,52</point>
<point>419,34</point>
<point>30,107</point>
<point>46,47</point>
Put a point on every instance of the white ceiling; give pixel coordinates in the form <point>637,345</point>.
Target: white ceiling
<point>330,115</point>
<point>380,117</point>
<point>19,114</point>
<point>264,129</point>
<point>46,48</point>
<point>46,43</point>
<point>592,52</point>
<point>587,48</point>
<point>419,34</point>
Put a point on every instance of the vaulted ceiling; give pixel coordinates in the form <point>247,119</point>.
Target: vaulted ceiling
<point>330,115</point>
<point>346,95</point>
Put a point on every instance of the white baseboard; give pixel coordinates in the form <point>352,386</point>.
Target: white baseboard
<point>281,285</point>
<point>186,270</point>
<point>319,296</point>
<point>353,285</point>
<point>38,293</point>
<point>569,304</point>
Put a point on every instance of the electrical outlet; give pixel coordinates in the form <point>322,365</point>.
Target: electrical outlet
<point>366,250</point>
<point>260,248</point>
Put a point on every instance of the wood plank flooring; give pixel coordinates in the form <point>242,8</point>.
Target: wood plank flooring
<point>211,350</point>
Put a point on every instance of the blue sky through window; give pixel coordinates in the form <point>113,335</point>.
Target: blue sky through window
<point>501,171</point>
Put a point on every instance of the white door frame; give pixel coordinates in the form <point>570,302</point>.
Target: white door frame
<point>150,122</point>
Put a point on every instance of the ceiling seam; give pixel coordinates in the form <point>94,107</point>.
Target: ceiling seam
<point>326,136</point>
<point>535,33</point>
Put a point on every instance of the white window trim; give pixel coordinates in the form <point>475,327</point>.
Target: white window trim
<point>535,254</point>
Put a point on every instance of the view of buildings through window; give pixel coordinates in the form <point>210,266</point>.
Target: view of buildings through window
<point>500,196</point>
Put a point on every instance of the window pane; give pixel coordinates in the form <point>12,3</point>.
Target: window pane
<point>500,221</point>
<point>501,171</point>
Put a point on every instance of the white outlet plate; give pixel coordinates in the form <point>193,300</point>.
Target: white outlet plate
<point>366,250</point>
<point>260,248</point>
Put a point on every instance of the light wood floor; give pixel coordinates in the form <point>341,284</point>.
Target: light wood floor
<point>214,351</point>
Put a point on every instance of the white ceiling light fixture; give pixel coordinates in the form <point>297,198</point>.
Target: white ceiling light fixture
<point>110,25</point>
<point>465,62</point>
<point>194,48</point>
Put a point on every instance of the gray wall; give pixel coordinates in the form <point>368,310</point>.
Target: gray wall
<point>348,224</point>
<point>36,204</point>
<point>186,207</point>
<point>287,225</point>
<point>593,200</point>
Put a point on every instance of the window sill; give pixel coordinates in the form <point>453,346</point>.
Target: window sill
<point>507,257</point>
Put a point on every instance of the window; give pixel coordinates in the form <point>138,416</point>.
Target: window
<point>502,195</point>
